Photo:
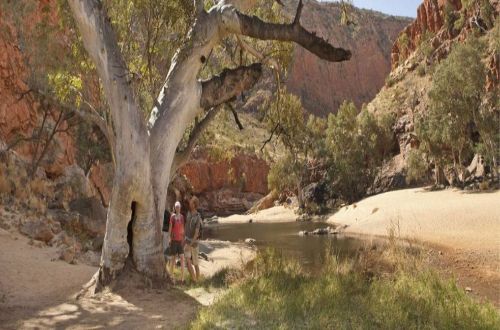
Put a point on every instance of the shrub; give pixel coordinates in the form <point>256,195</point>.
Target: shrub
<point>357,145</point>
<point>421,70</point>
<point>455,98</point>
<point>417,167</point>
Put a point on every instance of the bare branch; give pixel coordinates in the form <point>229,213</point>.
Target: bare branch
<point>274,64</point>
<point>270,136</point>
<point>230,83</point>
<point>235,115</point>
<point>296,20</point>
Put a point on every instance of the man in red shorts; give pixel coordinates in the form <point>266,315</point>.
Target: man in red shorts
<point>176,230</point>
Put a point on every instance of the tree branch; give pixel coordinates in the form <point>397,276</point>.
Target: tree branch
<point>100,42</point>
<point>229,84</point>
<point>254,27</point>
<point>182,157</point>
<point>235,115</point>
<point>296,20</point>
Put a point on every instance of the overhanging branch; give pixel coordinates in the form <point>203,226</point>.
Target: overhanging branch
<point>254,27</point>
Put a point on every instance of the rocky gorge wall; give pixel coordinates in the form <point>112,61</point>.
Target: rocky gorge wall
<point>226,186</point>
<point>323,86</point>
<point>407,95</point>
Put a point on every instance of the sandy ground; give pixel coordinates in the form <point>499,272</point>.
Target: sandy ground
<point>273,214</point>
<point>39,291</point>
<point>449,217</point>
<point>464,228</point>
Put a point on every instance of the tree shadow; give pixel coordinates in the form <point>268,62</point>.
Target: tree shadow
<point>128,306</point>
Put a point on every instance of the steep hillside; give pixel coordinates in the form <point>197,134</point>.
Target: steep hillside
<point>419,48</point>
<point>323,86</point>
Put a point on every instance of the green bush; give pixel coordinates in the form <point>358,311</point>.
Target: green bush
<point>455,98</point>
<point>357,144</point>
<point>417,167</point>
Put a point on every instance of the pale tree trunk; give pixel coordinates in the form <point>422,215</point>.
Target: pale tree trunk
<point>145,156</point>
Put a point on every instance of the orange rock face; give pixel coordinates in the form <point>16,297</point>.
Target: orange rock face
<point>430,18</point>
<point>20,113</point>
<point>226,187</point>
<point>323,86</point>
<point>245,173</point>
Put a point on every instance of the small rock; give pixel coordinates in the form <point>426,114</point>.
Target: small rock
<point>37,229</point>
<point>55,226</point>
<point>203,255</point>
<point>67,254</point>
<point>320,231</point>
<point>303,233</point>
<point>468,289</point>
<point>250,241</point>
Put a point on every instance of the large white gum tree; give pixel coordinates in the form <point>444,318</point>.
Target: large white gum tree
<point>146,153</point>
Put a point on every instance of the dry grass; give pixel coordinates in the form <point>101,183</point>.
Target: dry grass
<point>274,293</point>
<point>37,204</point>
<point>5,186</point>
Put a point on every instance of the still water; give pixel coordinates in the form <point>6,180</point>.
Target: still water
<point>308,250</point>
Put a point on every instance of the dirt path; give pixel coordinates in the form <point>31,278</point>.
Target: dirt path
<point>39,291</point>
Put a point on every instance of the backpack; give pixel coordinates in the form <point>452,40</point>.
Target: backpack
<point>166,219</point>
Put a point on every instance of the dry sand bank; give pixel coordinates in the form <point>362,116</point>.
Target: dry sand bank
<point>38,291</point>
<point>448,217</point>
<point>273,214</point>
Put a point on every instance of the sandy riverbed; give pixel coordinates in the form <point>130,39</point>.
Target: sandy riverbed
<point>448,217</point>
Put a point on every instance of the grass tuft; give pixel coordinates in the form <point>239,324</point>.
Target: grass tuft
<point>276,293</point>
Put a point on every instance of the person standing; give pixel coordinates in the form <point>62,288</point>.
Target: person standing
<point>193,231</point>
<point>166,235</point>
<point>176,230</point>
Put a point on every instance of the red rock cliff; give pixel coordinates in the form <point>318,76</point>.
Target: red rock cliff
<point>430,18</point>
<point>323,86</point>
<point>226,186</point>
<point>20,113</point>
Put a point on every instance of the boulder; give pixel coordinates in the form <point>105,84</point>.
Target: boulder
<point>92,215</point>
<point>315,197</point>
<point>391,176</point>
<point>61,239</point>
<point>90,258</point>
<point>67,254</point>
<point>73,184</point>
<point>265,202</point>
<point>38,229</point>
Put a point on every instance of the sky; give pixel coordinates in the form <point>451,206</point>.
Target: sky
<point>392,7</point>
